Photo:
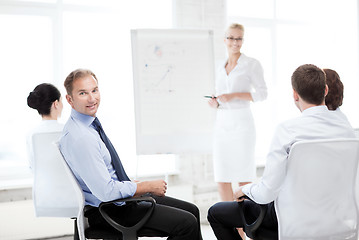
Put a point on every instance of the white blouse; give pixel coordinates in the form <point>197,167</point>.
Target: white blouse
<point>247,76</point>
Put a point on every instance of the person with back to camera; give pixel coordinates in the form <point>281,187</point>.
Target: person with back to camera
<point>334,98</point>
<point>46,99</point>
<point>309,90</point>
<point>100,173</point>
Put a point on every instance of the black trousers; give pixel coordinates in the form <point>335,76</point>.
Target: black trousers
<point>224,218</point>
<point>177,219</point>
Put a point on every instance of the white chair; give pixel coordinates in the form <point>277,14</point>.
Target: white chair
<point>51,184</point>
<point>317,200</point>
<point>56,193</point>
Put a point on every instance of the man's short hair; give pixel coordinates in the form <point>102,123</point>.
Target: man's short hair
<point>309,82</point>
<point>74,75</point>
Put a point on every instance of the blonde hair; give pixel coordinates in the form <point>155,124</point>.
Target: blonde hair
<point>235,26</point>
<point>76,74</point>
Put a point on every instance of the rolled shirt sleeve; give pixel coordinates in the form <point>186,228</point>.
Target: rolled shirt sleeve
<point>258,83</point>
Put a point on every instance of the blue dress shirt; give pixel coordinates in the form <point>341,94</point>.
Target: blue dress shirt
<point>90,161</point>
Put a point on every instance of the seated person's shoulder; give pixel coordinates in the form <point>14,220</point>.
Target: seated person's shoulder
<point>77,135</point>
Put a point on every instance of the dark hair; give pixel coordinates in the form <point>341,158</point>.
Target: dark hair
<point>42,97</point>
<point>76,74</point>
<point>335,96</point>
<point>309,82</point>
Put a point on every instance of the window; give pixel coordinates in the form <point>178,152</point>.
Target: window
<point>26,59</point>
<point>43,41</point>
<point>285,34</point>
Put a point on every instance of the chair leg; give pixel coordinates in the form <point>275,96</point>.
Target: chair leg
<point>76,232</point>
<point>129,235</point>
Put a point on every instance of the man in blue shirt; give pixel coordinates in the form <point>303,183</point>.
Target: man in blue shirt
<point>91,160</point>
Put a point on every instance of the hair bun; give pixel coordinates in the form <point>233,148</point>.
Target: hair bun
<point>42,97</point>
<point>34,99</point>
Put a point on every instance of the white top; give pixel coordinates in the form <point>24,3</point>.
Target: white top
<point>314,123</point>
<point>247,76</point>
<point>44,126</point>
<point>341,114</point>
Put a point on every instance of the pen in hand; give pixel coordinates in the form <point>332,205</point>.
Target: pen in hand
<point>210,96</point>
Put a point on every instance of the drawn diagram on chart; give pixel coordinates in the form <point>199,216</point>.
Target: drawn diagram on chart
<point>173,70</point>
<point>163,80</point>
<point>159,67</point>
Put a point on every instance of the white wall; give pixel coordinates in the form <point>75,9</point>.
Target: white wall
<point>18,221</point>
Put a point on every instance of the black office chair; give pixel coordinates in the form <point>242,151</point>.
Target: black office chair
<point>118,231</point>
<point>252,230</point>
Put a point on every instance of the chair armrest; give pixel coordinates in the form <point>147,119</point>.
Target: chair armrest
<point>250,229</point>
<point>135,227</point>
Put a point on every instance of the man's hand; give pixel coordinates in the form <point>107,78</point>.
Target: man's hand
<point>156,187</point>
<point>239,195</point>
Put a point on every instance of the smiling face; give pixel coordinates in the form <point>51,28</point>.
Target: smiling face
<point>85,97</point>
<point>234,40</point>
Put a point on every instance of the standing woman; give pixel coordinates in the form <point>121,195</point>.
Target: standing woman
<point>46,99</point>
<point>239,81</point>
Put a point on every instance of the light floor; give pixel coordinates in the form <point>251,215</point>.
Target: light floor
<point>207,234</point>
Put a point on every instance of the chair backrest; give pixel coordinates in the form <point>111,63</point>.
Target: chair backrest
<point>317,200</point>
<point>56,192</point>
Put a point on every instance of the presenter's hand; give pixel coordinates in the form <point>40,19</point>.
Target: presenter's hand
<point>213,102</point>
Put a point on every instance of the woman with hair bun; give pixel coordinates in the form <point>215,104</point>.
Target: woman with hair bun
<point>46,99</point>
<point>334,98</point>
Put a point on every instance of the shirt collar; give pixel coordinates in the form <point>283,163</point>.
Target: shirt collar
<point>315,110</point>
<point>242,56</point>
<point>83,118</point>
